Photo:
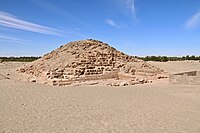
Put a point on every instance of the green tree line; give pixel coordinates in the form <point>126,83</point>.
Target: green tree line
<point>147,58</point>
<point>18,59</point>
<point>166,58</point>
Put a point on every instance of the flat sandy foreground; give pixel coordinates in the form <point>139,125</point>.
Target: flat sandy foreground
<point>158,107</point>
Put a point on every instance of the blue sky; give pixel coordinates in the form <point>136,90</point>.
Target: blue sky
<point>136,27</point>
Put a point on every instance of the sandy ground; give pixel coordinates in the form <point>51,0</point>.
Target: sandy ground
<point>177,66</point>
<point>159,107</point>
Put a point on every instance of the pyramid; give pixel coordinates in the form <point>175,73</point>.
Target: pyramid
<point>89,60</point>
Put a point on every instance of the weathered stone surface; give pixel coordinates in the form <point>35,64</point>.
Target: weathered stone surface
<point>33,80</point>
<point>141,81</point>
<point>22,70</point>
<point>189,78</point>
<point>93,83</point>
<point>135,82</point>
<point>90,60</point>
<point>124,83</point>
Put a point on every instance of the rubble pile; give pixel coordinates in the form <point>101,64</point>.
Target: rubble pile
<point>90,60</point>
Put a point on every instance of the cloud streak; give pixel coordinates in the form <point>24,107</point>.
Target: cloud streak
<point>12,39</point>
<point>11,21</point>
<point>193,22</point>
<point>59,11</point>
<point>112,23</point>
<point>131,7</point>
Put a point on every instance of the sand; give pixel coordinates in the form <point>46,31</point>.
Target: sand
<point>158,107</point>
<point>177,66</point>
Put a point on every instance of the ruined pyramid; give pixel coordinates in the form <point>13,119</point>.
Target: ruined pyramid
<point>90,60</point>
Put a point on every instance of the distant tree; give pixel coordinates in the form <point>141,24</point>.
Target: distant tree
<point>183,58</point>
<point>164,59</point>
<point>192,57</point>
<point>187,57</point>
<point>19,59</point>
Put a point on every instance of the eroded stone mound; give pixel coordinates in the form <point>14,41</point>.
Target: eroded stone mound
<point>89,60</point>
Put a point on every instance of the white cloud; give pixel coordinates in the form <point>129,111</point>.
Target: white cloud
<point>131,7</point>
<point>112,23</point>
<point>12,39</point>
<point>10,21</point>
<point>193,22</point>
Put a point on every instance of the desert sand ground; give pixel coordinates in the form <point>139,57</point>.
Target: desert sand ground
<point>177,66</point>
<point>158,107</point>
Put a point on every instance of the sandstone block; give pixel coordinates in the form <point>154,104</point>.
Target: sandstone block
<point>33,80</point>
<point>124,83</point>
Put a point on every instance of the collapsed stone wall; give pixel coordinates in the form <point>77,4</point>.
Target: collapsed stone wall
<point>188,78</point>
<point>63,82</point>
<point>89,60</point>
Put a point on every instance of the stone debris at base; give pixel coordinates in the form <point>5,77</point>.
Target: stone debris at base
<point>90,60</point>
